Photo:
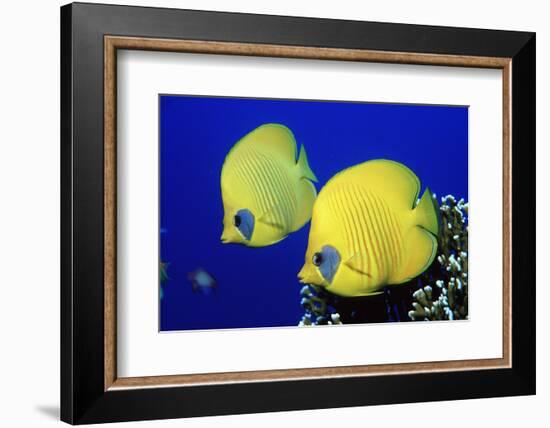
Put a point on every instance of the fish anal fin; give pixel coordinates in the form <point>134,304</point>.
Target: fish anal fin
<point>358,263</point>
<point>372,293</point>
<point>420,251</point>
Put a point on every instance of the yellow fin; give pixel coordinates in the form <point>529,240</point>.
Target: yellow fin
<point>427,213</point>
<point>306,194</point>
<point>373,293</point>
<point>273,139</point>
<point>397,183</point>
<point>303,166</point>
<point>420,252</point>
<point>357,262</point>
<point>270,218</point>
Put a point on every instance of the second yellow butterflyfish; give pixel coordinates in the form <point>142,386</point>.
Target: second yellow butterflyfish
<point>369,230</point>
<point>266,192</point>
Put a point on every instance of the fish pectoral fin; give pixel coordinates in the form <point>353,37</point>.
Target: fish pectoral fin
<point>270,218</point>
<point>272,224</point>
<point>358,263</point>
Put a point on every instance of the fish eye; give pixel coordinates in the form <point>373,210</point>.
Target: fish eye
<point>317,259</point>
<point>244,222</point>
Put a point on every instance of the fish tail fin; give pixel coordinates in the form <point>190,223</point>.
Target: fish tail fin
<point>427,213</point>
<point>303,166</point>
<point>421,249</point>
<point>306,191</point>
<point>306,197</point>
<point>421,240</point>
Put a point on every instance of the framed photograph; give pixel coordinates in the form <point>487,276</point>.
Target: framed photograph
<point>320,213</point>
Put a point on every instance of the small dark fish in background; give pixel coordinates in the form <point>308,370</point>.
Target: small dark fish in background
<point>202,282</point>
<point>163,274</point>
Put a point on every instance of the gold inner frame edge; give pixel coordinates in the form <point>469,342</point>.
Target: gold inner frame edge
<point>113,43</point>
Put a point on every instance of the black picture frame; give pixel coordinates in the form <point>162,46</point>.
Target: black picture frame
<point>83,396</point>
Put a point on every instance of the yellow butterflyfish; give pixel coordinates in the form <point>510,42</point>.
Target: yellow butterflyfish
<point>368,230</point>
<point>266,193</point>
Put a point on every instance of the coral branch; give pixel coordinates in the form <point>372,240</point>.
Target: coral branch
<point>448,300</point>
<point>317,311</point>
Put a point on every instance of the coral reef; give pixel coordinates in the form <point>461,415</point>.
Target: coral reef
<point>448,300</point>
<point>317,310</point>
<point>440,293</point>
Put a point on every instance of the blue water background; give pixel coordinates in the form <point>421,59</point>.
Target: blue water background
<point>257,287</point>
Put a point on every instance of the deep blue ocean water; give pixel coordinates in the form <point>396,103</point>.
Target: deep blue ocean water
<point>257,287</point>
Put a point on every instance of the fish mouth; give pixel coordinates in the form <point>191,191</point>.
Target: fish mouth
<point>301,276</point>
<point>225,238</point>
<point>305,277</point>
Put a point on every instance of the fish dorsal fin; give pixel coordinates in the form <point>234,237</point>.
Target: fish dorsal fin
<point>394,181</point>
<point>271,218</point>
<point>273,139</point>
<point>358,263</point>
